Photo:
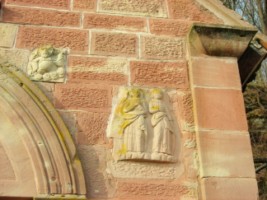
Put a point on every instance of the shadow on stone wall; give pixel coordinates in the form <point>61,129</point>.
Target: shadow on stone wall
<point>93,159</point>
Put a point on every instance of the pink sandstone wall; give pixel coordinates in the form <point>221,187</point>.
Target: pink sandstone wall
<point>115,43</point>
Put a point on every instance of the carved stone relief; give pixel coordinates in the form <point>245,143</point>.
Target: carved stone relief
<point>47,64</point>
<point>143,126</point>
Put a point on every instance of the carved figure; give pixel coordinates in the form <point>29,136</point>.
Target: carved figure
<point>47,64</point>
<point>141,127</point>
<point>160,120</point>
<point>132,111</point>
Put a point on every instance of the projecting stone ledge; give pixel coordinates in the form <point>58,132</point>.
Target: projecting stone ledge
<point>219,40</point>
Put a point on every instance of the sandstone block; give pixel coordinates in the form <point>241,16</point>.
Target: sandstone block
<point>166,74</point>
<point>169,27</point>
<point>112,78</point>
<point>190,160</point>
<point>98,70</point>
<point>47,89</point>
<point>215,72</point>
<point>99,64</point>
<point>84,5</point>
<point>162,48</point>
<point>114,22</point>
<point>40,17</point>
<point>184,110</point>
<point>220,109</point>
<point>94,165</point>
<point>83,97</point>
<point>155,8</point>
<point>61,4</point>
<point>7,34</point>
<point>148,170</point>
<point>31,37</point>
<point>69,118</point>
<point>150,190</point>
<point>229,188</point>
<point>16,57</point>
<point>86,62</point>
<point>6,170</point>
<point>91,128</point>
<point>191,10</point>
<point>225,154</point>
<point>117,44</point>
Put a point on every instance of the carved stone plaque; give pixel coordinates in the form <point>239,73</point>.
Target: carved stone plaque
<point>143,126</point>
<point>47,64</point>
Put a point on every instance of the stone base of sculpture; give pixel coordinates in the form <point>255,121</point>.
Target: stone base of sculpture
<point>161,157</point>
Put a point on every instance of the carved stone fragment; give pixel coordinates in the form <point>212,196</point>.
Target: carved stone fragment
<point>47,64</point>
<point>161,123</point>
<point>143,126</point>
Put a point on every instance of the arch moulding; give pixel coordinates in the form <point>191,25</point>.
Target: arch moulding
<point>38,156</point>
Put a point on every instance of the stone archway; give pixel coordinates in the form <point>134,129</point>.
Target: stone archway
<point>38,156</point>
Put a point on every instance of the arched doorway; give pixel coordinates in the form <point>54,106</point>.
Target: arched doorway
<point>38,156</point>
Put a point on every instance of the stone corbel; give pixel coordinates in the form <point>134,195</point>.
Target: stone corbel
<point>229,41</point>
<point>219,40</point>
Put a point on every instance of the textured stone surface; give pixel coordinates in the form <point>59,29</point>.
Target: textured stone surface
<point>91,128</point>
<point>167,74</point>
<point>85,5</point>
<point>162,48</point>
<point>114,44</point>
<point>184,110</point>
<point>151,190</point>
<point>225,154</point>
<point>128,169</point>
<point>191,160</point>
<point>156,8</point>
<point>229,188</point>
<point>31,37</point>
<point>7,34</point>
<point>62,4</point>
<point>6,170</point>
<point>47,89</point>
<point>97,69</point>
<point>69,118</point>
<point>15,57</point>
<point>83,96</point>
<point>114,22</point>
<point>215,106</point>
<point>40,16</point>
<point>99,64</point>
<point>169,27</point>
<point>191,10</point>
<point>114,78</point>
<point>216,72</point>
<point>98,184</point>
